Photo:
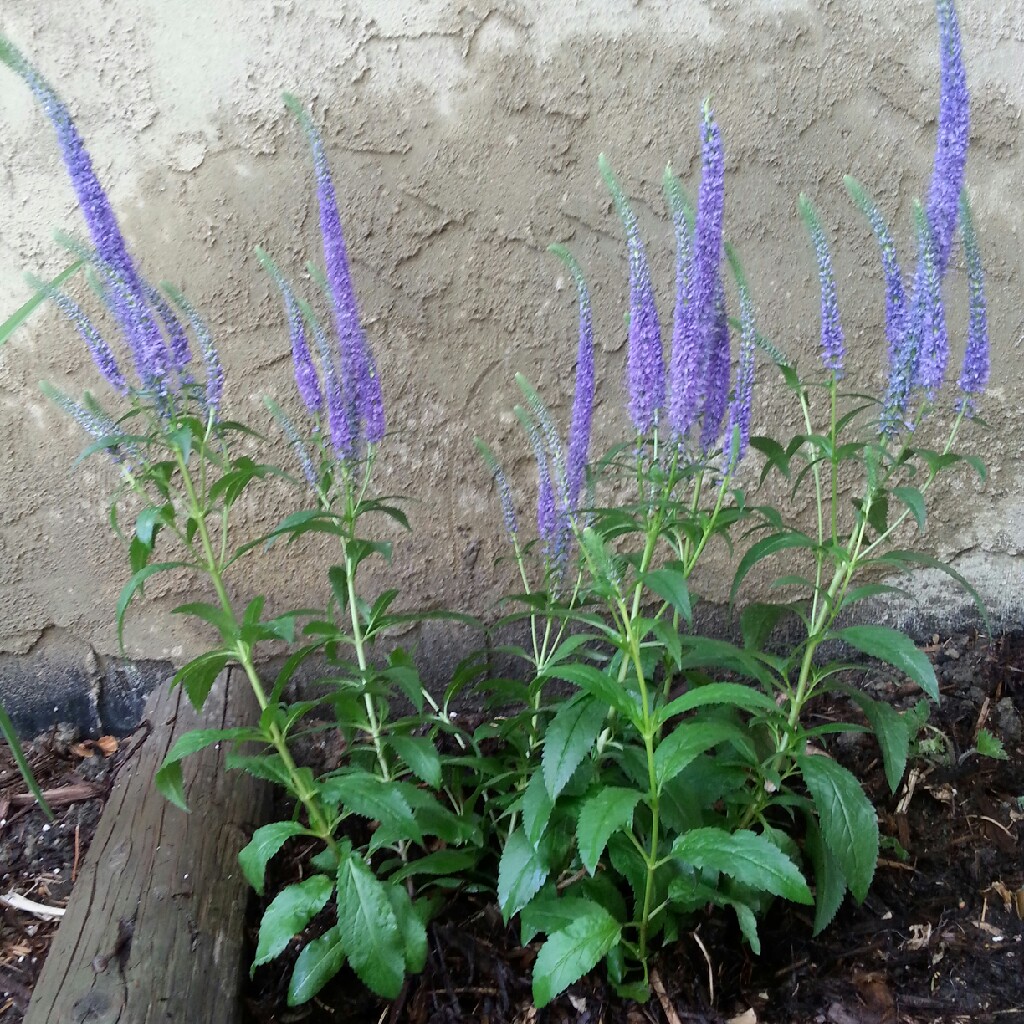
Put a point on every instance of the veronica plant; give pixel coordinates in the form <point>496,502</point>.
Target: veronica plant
<point>680,772</point>
<point>160,420</point>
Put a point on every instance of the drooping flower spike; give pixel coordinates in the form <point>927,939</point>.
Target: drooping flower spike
<point>125,287</point>
<point>358,370</point>
<point>975,371</point>
<point>645,369</point>
<point>212,367</point>
<point>698,319</point>
<point>831,327</point>
<point>508,507</point>
<point>583,400</point>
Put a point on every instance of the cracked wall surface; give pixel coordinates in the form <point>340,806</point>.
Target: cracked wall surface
<point>464,139</point>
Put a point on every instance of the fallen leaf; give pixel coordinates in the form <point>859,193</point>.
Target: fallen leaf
<point>920,936</point>
<point>107,745</point>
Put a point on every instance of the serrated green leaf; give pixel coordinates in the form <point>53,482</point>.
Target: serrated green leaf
<point>134,584</point>
<point>369,930</point>
<point>198,676</point>
<point>892,731</point>
<point>569,738</point>
<point>370,797</point>
<point>601,815</point>
<point>735,694</point>
<point>265,843</point>
<point>763,549</point>
<point>990,746</point>
<point>669,583</point>
<point>319,961</point>
<point>829,880</point>
<point>572,952</point>
<point>688,741</point>
<point>914,500</point>
<point>598,684</point>
<point>849,826</point>
<point>288,914</point>
<point>168,776</point>
<point>895,648</point>
<point>20,315</point>
<point>536,806</point>
<point>549,913</point>
<point>521,873</point>
<point>421,757</point>
<point>745,856</point>
<point>410,927</point>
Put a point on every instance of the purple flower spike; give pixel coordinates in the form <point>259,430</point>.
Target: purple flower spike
<point>693,333</point>
<point>306,379</point>
<point>716,391</point>
<point>583,401</point>
<point>928,315</point>
<point>208,350</point>
<point>737,433</point>
<point>342,422</point>
<point>974,375</point>
<point>100,350</point>
<point>358,370</point>
<point>129,303</point>
<point>954,132</point>
<point>177,337</point>
<point>644,361</point>
<point>831,328</point>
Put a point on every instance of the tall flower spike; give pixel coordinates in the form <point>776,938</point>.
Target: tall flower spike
<point>177,336</point>
<point>359,373</point>
<point>306,379</point>
<point>953,136</point>
<point>928,312</point>
<point>547,506</point>
<point>212,367</point>
<point>583,400</point>
<point>644,362</point>
<point>737,433</point>
<point>895,294</point>
<point>974,374</point>
<point>693,334</point>
<point>129,303</point>
<point>831,328</point>
<point>294,438</point>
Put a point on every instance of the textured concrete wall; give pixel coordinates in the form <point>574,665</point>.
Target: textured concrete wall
<point>464,139</point>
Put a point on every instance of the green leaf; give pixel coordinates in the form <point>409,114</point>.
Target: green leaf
<point>669,583</point>
<point>990,746</point>
<point>848,822</point>
<point>147,523</point>
<point>763,549</point>
<point>757,622</point>
<point>735,694</point>
<point>410,927</point>
<point>600,816</point>
<point>537,806</point>
<point>265,842</point>
<point>440,862</point>
<point>288,914</point>
<point>20,315</point>
<point>745,856</point>
<point>420,755</point>
<point>370,797</point>
<point>168,777</point>
<point>11,736</point>
<point>572,952</point>
<point>134,584</point>
<point>598,684</point>
<point>895,648</point>
<point>829,880</point>
<point>521,874</point>
<point>319,961</point>
<point>198,676</point>
<point>569,738</point>
<point>687,742</point>
<point>891,730</point>
<point>914,500</point>
<point>369,929</point>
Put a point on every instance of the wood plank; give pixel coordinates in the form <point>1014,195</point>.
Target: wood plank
<point>154,928</point>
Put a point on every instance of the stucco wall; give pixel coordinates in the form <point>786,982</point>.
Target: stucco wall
<point>464,139</point>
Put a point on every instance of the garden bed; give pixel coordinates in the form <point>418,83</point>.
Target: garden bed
<point>940,937</point>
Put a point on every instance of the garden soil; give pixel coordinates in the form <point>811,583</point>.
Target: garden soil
<point>940,937</point>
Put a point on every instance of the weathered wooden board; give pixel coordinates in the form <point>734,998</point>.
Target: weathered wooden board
<point>154,928</point>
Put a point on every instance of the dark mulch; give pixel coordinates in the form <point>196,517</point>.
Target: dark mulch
<point>940,937</point>
<point>39,859</point>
